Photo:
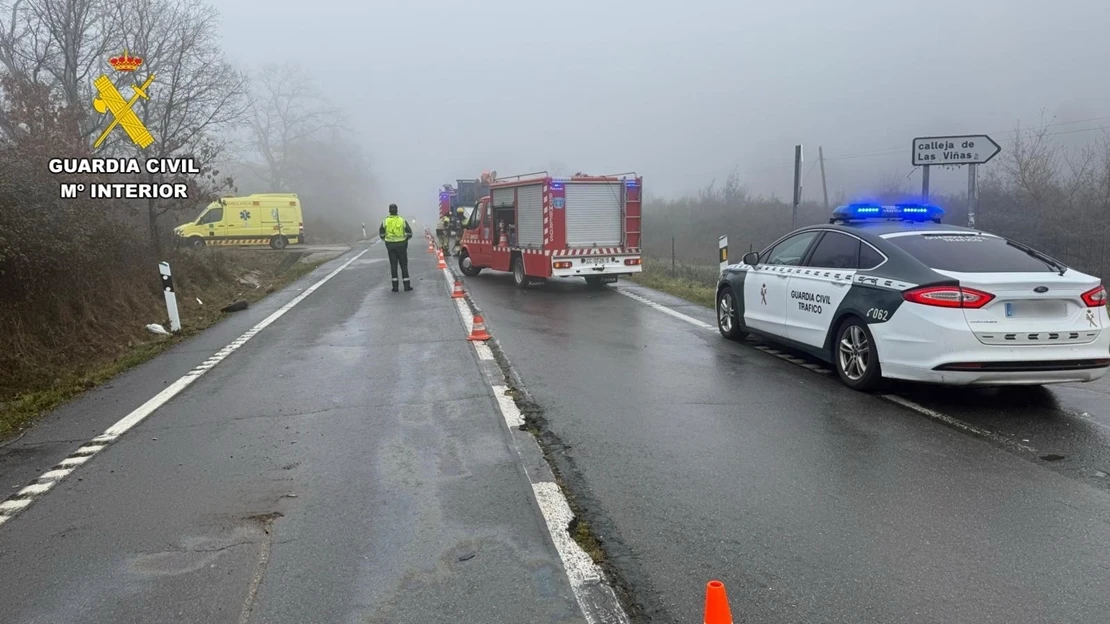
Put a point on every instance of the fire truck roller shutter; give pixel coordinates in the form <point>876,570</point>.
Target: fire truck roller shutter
<point>502,198</point>
<point>529,230</point>
<point>593,216</point>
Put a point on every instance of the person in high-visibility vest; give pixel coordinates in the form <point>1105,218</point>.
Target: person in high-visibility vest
<point>396,232</point>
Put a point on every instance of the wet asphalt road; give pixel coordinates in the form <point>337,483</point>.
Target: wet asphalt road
<point>698,458</point>
<point>347,464</point>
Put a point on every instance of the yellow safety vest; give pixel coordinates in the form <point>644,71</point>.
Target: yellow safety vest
<point>394,229</point>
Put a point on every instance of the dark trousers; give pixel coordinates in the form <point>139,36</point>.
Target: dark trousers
<point>399,254</point>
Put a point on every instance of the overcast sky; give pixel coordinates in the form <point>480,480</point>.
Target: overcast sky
<point>681,92</point>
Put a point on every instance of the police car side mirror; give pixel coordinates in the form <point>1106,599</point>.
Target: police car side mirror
<point>751,258</point>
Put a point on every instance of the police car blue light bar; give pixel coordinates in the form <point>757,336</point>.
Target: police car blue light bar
<point>901,212</point>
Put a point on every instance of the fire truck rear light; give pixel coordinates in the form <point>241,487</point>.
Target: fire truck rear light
<point>562,265</point>
<point>632,261</point>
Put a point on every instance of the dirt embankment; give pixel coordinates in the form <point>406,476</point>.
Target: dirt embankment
<point>80,334</point>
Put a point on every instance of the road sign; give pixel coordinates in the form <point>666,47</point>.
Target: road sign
<point>971,149</point>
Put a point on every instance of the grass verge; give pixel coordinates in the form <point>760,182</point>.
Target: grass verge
<point>693,282</point>
<point>73,342</point>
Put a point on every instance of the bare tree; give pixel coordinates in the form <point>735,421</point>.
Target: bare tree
<point>60,43</point>
<point>286,109</point>
<point>196,95</point>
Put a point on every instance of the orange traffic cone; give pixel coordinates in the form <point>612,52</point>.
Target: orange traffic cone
<point>442,264</point>
<point>458,292</point>
<point>479,331</point>
<point>716,604</point>
<point>431,248</point>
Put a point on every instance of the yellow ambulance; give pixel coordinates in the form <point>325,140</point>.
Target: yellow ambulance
<point>272,219</point>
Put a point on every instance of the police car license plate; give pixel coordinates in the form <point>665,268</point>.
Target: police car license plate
<point>598,260</point>
<point>1036,309</point>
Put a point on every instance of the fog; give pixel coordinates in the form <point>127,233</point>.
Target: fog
<point>681,92</point>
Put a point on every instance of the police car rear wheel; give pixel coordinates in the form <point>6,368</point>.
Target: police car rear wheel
<point>728,319</point>
<point>278,242</point>
<point>856,359</point>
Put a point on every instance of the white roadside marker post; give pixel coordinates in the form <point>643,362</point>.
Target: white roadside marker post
<point>171,297</point>
<point>722,251</point>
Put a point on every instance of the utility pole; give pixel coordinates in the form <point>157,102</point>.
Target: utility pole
<point>797,185</point>
<point>925,183</point>
<point>824,184</point>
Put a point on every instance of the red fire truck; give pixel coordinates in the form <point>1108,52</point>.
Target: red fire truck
<point>537,226</point>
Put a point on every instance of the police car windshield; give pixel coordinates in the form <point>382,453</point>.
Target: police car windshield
<point>969,253</point>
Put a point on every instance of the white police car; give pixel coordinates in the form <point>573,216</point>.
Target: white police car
<point>890,292</point>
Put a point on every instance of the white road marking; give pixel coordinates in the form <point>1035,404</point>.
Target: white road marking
<point>44,483</point>
<point>693,321</point>
<point>468,319</point>
<point>484,352</point>
<point>146,409</point>
<point>37,488</point>
<point>664,309</point>
<point>584,575</point>
<point>793,360</point>
<point>556,512</point>
<point>513,417</point>
<point>10,507</point>
<point>959,424</point>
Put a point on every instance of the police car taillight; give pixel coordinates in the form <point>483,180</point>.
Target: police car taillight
<point>948,297</point>
<point>1095,297</point>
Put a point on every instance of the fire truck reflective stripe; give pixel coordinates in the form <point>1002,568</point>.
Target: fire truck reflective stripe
<point>596,251</point>
<point>602,251</point>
